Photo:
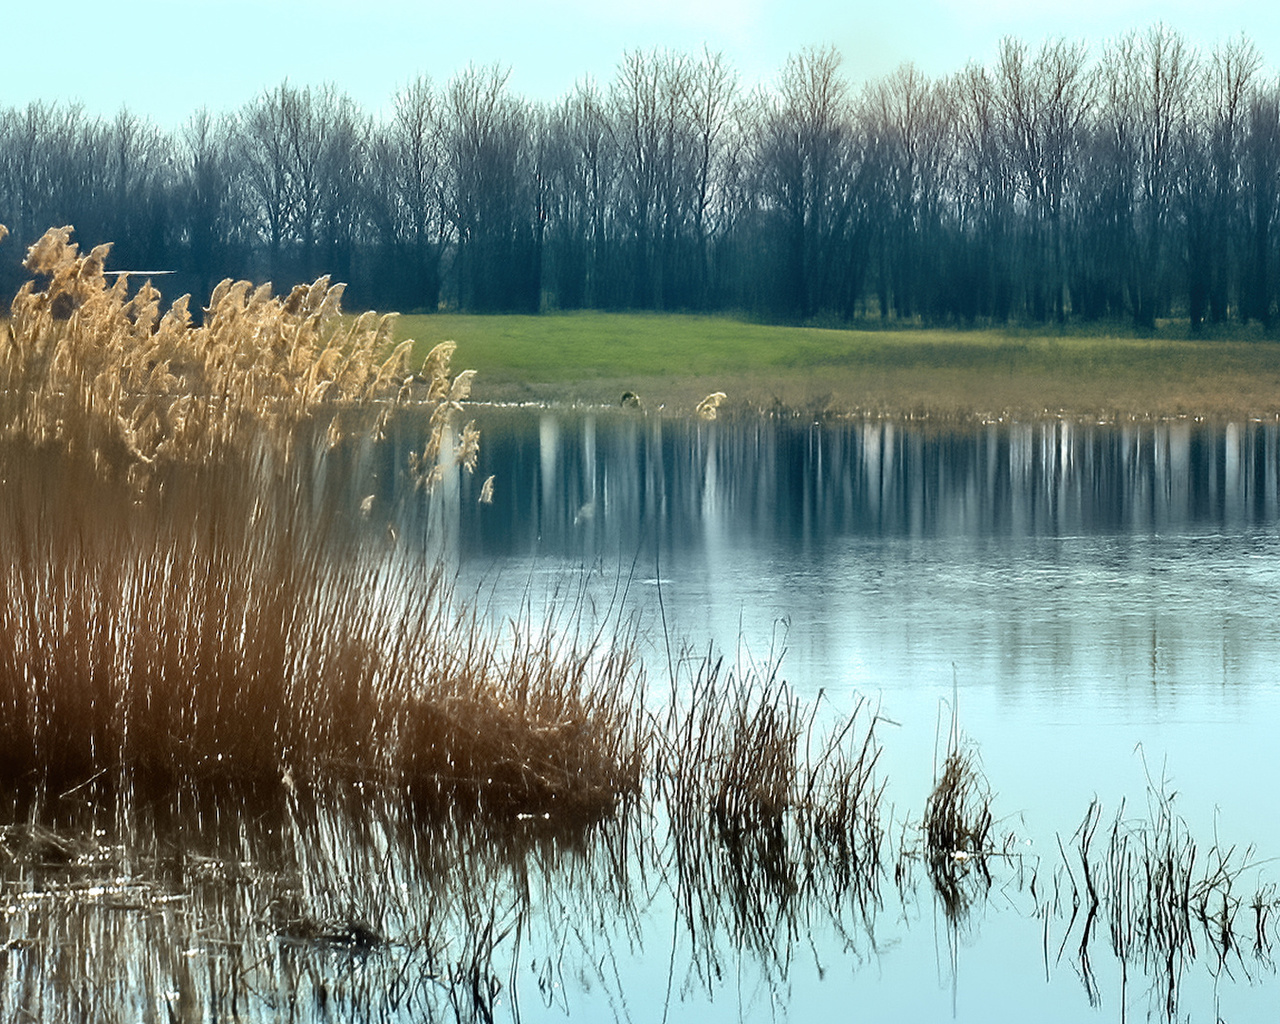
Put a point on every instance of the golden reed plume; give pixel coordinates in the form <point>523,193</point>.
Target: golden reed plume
<point>88,367</point>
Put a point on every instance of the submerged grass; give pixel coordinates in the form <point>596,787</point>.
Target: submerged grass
<point>957,830</point>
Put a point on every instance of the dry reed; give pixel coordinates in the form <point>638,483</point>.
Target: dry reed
<point>709,407</point>
<point>183,596</point>
<point>958,827</point>
<point>957,820</point>
<point>1155,893</point>
<point>769,814</point>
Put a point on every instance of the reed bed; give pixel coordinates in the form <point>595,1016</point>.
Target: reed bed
<point>185,592</point>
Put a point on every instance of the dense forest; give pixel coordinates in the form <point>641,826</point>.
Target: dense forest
<point>1136,183</point>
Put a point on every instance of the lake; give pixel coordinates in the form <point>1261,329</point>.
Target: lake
<point>1100,601</point>
<point>1096,605</point>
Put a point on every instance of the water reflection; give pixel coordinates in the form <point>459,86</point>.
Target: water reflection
<point>1040,555</point>
<point>339,903</point>
<point>1083,588</point>
<point>1095,590</point>
<point>601,479</point>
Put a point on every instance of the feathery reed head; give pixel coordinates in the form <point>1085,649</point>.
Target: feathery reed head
<point>138,387</point>
<point>708,408</point>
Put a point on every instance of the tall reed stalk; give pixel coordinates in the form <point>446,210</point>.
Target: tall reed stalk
<point>184,595</point>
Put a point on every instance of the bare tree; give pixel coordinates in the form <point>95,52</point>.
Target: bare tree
<point>710,96</point>
<point>911,126</point>
<point>581,165</point>
<point>1234,69</point>
<point>1261,202</point>
<point>1147,81</point>
<point>983,197</point>
<point>264,152</point>
<point>408,188</point>
<point>493,193</point>
<point>214,219</point>
<point>637,109</point>
<point>1045,104</point>
<point>1042,186</point>
<point>343,180</point>
<point>806,176</point>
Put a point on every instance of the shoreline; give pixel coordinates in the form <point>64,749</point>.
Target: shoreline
<point>950,377</point>
<point>678,397</point>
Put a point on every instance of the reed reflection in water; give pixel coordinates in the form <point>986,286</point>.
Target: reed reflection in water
<point>350,902</point>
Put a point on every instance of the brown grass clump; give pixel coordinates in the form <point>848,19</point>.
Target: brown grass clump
<point>958,827</point>
<point>183,594</point>
<point>766,809</point>
<point>745,750</point>
<point>957,818</point>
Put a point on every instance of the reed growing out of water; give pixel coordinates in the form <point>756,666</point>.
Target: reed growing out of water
<point>769,813</point>
<point>957,820</point>
<point>1157,894</point>
<point>958,826</point>
<point>183,595</point>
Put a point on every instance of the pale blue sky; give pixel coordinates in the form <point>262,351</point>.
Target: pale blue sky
<point>164,59</point>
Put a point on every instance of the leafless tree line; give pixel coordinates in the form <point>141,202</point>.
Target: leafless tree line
<point>1052,184</point>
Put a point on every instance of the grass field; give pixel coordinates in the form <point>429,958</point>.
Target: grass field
<point>674,360</point>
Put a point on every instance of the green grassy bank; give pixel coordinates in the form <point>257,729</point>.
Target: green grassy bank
<point>674,360</point>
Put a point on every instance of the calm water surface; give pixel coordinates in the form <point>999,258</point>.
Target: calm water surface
<point>1101,603</point>
<point>1097,604</point>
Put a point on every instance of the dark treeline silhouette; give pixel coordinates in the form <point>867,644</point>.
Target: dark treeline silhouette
<point>1050,185</point>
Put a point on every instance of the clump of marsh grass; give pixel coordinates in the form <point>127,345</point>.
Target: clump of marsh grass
<point>205,647</point>
<point>745,750</point>
<point>182,594</point>
<point>95,371</point>
<point>767,809</point>
<point>1156,893</point>
<point>958,825</point>
<point>958,821</point>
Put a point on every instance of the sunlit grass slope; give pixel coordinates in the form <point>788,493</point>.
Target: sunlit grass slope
<point>674,360</point>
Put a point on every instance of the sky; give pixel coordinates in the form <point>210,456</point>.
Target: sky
<point>163,60</point>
